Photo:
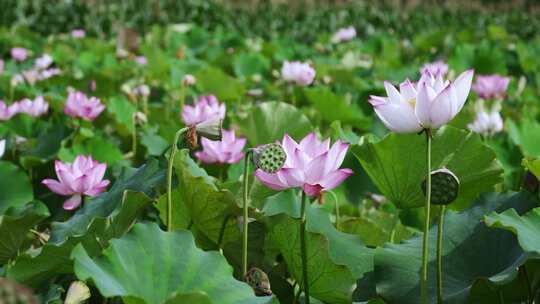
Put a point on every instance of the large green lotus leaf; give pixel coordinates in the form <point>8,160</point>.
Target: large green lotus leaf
<point>208,206</point>
<point>101,149</point>
<point>533,165</point>
<point>334,107</point>
<point>15,187</point>
<point>14,226</point>
<point>122,110</point>
<point>53,259</point>
<point>472,252</point>
<point>48,145</point>
<point>153,265</point>
<point>377,228</point>
<point>526,227</point>
<point>211,80</point>
<point>335,259</point>
<point>397,165</point>
<point>269,121</point>
<point>143,179</point>
<point>525,135</point>
<point>180,217</point>
<point>247,64</point>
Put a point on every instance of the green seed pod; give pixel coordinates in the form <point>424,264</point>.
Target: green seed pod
<point>13,293</point>
<point>258,280</point>
<point>444,187</point>
<point>270,158</point>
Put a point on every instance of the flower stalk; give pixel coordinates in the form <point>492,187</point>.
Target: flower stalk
<point>439,254</point>
<point>425,240</point>
<point>303,244</point>
<point>245,204</point>
<point>174,149</point>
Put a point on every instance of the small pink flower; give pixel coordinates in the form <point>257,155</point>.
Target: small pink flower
<point>226,151</point>
<point>78,33</point>
<point>19,54</point>
<point>206,108</point>
<point>79,105</point>
<point>34,108</point>
<point>312,165</point>
<point>344,34</point>
<point>189,80</point>
<point>491,86</point>
<point>435,68</point>
<point>298,72</point>
<point>141,60</point>
<point>83,177</point>
<point>6,112</point>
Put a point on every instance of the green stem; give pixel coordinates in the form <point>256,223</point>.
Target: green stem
<point>439,255</point>
<point>169,176</point>
<point>425,241</point>
<point>530,297</point>
<point>182,97</point>
<point>222,232</point>
<point>501,296</point>
<point>336,207</point>
<point>304,248</point>
<point>134,135</point>
<point>245,202</point>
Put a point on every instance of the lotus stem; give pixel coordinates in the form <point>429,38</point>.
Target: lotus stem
<point>439,254</point>
<point>336,207</point>
<point>169,176</point>
<point>425,241</point>
<point>304,248</point>
<point>134,135</point>
<point>245,197</point>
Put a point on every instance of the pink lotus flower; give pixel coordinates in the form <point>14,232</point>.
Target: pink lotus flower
<point>344,34</point>
<point>19,54</point>
<point>300,73</point>
<point>6,112</point>
<point>141,60</point>
<point>435,68</point>
<point>491,86</point>
<point>78,33</point>
<point>206,108</point>
<point>312,165</point>
<point>83,177</point>
<point>78,105</point>
<point>43,62</point>
<point>427,105</point>
<point>226,151</point>
<point>34,108</point>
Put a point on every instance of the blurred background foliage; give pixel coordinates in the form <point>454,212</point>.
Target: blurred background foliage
<point>303,19</point>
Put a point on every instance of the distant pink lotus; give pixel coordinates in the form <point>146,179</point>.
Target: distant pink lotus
<point>311,165</point>
<point>6,112</point>
<point>34,108</point>
<point>78,33</point>
<point>79,105</point>
<point>19,54</point>
<point>206,108</point>
<point>298,72</point>
<point>435,68</point>
<point>226,151</point>
<point>491,86</point>
<point>82,177</point>
<point>141,60</point>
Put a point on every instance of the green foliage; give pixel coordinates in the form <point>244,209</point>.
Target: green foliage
<point>195,276</point>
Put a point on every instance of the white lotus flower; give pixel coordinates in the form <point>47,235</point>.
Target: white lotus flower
<point>429,104</point>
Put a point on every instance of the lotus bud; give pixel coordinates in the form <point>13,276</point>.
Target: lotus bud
<point>210,129</point>
<point>444,187</point>
<point>258,280</point>
<point>77,293</point>
<point>270,158</point>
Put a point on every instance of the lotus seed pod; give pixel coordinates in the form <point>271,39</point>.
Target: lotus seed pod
<point>270,158</point>
<point>13,293</point>
<point>258,280</point>
<point>444,187</point>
